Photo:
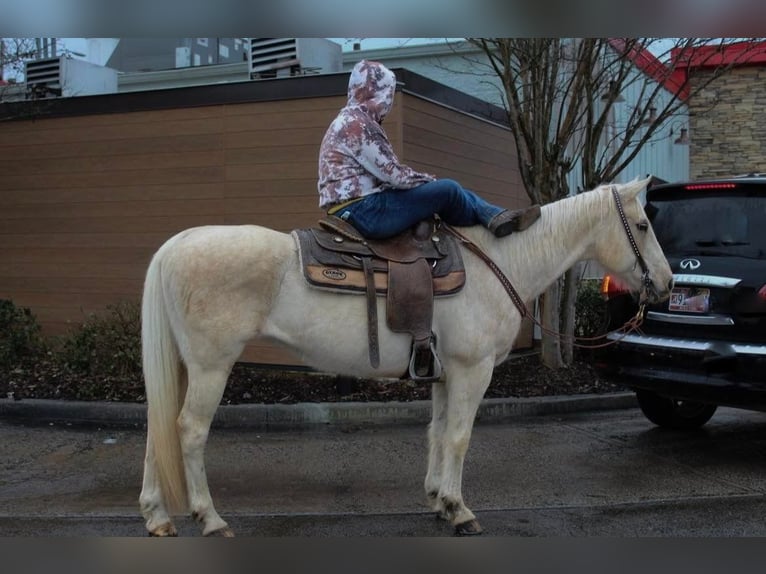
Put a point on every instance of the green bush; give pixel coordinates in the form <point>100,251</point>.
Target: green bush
<point>106,345</point>
<point>590,309</point>
<point>20,338</point>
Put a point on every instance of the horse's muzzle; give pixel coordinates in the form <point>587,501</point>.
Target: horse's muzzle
<point>655,294</point>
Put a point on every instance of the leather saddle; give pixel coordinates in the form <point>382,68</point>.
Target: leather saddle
<point>409,270</point>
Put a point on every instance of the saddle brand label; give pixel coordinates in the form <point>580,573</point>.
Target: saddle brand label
<point>334,274</point>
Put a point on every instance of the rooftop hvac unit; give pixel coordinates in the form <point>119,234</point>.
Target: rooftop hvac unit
<point>281,57</point>
<point>67,77</point>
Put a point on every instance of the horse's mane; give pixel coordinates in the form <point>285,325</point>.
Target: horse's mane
<point>546,237</point>
<point>590,206</point>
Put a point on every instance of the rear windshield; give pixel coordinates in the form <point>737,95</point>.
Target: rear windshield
<point>710,224</point>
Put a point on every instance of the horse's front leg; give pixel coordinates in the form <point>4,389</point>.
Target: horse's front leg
<point>435,446</point>
<point>465,388</point>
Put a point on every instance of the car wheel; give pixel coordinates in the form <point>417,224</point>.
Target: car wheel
<point>674,413</point>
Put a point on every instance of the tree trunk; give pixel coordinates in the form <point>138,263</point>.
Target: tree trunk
<point>550,344</point>
<point>569,313</point>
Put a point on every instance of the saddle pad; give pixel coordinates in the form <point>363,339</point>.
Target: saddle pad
<point>342,272</point>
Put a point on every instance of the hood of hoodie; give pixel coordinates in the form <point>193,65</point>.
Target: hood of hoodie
<point>371,87</point>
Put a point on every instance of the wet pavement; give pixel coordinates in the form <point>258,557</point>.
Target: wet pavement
<point>605,473</point>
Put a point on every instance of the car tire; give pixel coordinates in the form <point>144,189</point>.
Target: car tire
<point>674,413</point>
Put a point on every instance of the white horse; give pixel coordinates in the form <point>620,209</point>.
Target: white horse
<point>210,290</point>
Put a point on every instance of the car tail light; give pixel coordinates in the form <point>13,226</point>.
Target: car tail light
<point>762,293</point>
<point>611,287</point>
<point>711,186</point>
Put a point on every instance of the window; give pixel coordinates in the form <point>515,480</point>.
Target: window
<point>730,224</point>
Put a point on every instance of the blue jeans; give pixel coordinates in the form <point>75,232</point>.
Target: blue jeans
<point>393,211</point>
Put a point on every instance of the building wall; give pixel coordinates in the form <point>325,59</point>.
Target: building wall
<point>660,156</point>
<point>727,131</point>
<point>452,145</point>
<point>149,54</point>
<point>86,200</point>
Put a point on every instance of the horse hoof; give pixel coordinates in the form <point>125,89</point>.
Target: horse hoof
<point>224,532</point>
<point>468,528</point>
<point>164,531</point>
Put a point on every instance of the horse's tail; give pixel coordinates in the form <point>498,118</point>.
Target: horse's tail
<point>162,376</point>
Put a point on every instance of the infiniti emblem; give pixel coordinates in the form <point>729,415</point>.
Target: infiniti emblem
<point>690,264</point>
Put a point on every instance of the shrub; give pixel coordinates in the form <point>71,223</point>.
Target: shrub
<point>106,345</point>
<point>20,337</point>
<point>590,309</point>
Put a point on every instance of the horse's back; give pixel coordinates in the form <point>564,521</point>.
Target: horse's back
<point>225,246</point>
<point>217,237</point>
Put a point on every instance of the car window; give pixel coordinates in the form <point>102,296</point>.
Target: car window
<point>711,225</point>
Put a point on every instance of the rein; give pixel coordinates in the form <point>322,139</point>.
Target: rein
<point>632,324</point>
<point>504,281</point>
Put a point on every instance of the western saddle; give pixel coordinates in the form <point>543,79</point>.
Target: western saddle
<point>409,270</point>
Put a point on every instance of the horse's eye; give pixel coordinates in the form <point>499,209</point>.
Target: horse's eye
<point>642,226</point>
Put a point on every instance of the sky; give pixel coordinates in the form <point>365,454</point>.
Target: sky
<point>374,43</point>
<point>79,45</point>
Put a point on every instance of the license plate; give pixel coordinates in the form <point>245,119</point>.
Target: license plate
<point>689,300</point>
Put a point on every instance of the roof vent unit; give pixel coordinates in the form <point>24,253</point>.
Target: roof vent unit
<point>283,57</point>
<point>66,77</point>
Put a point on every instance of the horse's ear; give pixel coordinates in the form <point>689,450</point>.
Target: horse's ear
<point>634,187</point>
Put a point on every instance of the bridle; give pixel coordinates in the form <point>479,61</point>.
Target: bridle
<point>646,280</point>
<point>631,325</point>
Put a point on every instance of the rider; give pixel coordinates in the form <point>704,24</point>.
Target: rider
<point>362,181</point>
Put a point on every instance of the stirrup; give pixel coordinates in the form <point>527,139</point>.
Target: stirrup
<point>435,370</point>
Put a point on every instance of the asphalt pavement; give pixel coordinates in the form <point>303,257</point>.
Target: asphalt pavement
<point>564,469</point>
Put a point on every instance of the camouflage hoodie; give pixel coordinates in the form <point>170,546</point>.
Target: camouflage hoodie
<point>356,159</point>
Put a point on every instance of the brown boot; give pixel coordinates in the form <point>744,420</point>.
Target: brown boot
<point>506,222</point>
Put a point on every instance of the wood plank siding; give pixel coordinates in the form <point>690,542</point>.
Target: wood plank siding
<point>478,154</point>
<point>86,198</point>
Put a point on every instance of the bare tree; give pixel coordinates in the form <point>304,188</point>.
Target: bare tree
<point>560,95</point>
<point>13,53</point>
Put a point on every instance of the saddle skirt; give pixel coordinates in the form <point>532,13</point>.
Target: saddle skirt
<point>332,257</point>
<point>409,270</point>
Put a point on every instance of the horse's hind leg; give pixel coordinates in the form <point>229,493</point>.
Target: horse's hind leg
<point>202,399</point>
<point>465,389</point>
<point>158,522</point>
